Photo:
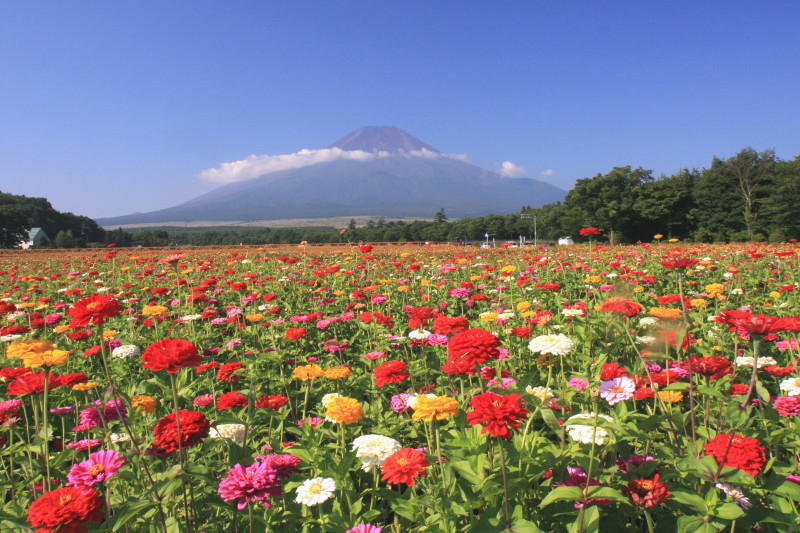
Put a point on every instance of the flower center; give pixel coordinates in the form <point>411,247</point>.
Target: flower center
<point>315,488</point>
<point>616,389</point>
<point>96,469</point>
<point>402,462</point>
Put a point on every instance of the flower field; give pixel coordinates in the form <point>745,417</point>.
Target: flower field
<point>368,389</point>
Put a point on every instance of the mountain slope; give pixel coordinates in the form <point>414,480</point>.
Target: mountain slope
<point>407,179</point>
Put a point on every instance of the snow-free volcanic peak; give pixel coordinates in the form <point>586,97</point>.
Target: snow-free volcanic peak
<point>382,139</point>
<point>375,171</point>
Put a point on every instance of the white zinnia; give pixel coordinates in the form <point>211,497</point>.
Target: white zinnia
<point>232,432</point>
<point>328,398</point>
<point>791,386</point>
<point>419,334</point>
<point>125,351</point>
<point>551,344</point>
<point>374,449</point>
<point>412,401</point>
<point>315,491</point>
<point>648,321</point>
<point>543,393</point>
<point>762,361</point>
<point>585,433</point>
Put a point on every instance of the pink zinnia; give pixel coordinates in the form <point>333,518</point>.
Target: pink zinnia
<point>787,405</point>
<point>256,482</point>
<point>617,389</point>
<point>364,528</point>
<point>203,400</point>
<point>100,466</point>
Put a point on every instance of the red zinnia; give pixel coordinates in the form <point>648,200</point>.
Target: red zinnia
<point>273,402</point>
<point>403,466</point>
<point>713,367</point>
<point>678,262</point>
<point>295,333</point>
<point>743,453</point>
<point>227,370</point>
<point>621,305</point>
<point>229,400</point>
<point>93,310</point>
<point>611,371</point>
<point>30,383</point>
<point>646,493</point>
<point>522,333</point>
<point>65,510</point>
<point>194,428</point>
<point>588,231</point>
<point>446,325</point>
<point>499,414</point>
<point>171,355</point>
<point>390,372</point>
<point>468,348</point>
<point>754,324</point>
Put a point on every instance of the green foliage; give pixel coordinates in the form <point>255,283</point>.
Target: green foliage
<point>23,211</point>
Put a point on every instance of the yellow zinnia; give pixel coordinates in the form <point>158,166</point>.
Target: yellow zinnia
<point>665,312</point>
<point>337,372</point>
<point>154,310</point>
<point>670,396</point>
<point>89,385</point>
<point>439,408</point>
<point>344,410</point>
<point>146,404</point>
<point>48,358</point>
<point>23,349</point>
<point>307,372</point>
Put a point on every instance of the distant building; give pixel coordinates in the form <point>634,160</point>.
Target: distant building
<point>36,236</point>
<point>566,241</point>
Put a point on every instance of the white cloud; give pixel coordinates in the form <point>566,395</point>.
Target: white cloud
<point>255,166</point>
<point>547,173</point>
<point>510,170</point>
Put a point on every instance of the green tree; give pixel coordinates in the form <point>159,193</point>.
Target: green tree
<point>65,239</point>
<point>14,226</point>
<point>781,209</point>
<point>440,216</point>
<point>666,206</point>
<point>608,200</point>
<point>730,194</point>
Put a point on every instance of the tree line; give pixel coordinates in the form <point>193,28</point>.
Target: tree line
<point>751,196</point>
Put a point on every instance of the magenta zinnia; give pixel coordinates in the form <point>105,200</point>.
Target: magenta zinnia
<point>100,466</point>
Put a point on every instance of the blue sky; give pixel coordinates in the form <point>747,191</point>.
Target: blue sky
<point>114,107</point>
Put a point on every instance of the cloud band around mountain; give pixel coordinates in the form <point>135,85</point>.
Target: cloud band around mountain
<point>254,166</point>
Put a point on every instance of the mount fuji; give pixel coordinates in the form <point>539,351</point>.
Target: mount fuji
<point>374,171</point>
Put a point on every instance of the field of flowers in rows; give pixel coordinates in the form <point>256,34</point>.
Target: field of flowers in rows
<point>401,389</point>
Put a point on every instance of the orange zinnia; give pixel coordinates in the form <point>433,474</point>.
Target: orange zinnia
<point>403,466</point>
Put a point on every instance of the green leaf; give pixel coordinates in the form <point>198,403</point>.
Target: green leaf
<point>781,487</point>
<point>728,511</point>
<point>524,526</point>
<point>131,510</point>
<point>558,494</point>
<point>690,499</point>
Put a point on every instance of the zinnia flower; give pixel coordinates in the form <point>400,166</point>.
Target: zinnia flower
<point>551,344</point>
<point>586,434</point>
<point>403,466</point>
<point>468,348</point>
<point>500,415</point>
<point>65,510</point>
<point>257,482</point>
<point>390,372</point>
<point>343,410</point>
<point>171,355</point>
<point>93,310</point>
<point>194,428</point>
<point>618,389</point>
<point>438,408</point>
<point>364,528</point>
<point>100,466</point>
<point>737,451</point>
<point>315,491</point>
<point>646,493</point>
<point>374,449</point>
<point>621,305</point>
